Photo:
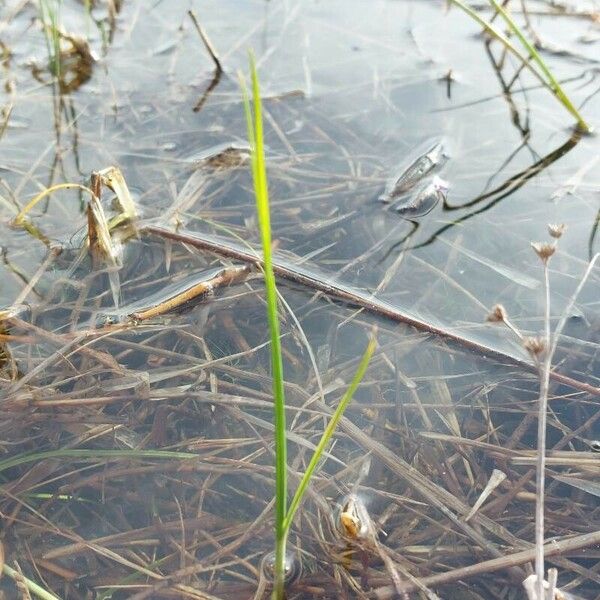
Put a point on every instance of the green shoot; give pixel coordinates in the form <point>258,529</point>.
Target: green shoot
<point>283,516</point>
<point>50,17</point>
<point>259,175</point>
<point>545,77</point>
<point>329,430</point>
<point>31,586</point>
<point>93,454</point>
<point>551,81</point>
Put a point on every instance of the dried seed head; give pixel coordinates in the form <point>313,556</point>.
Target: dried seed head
<point>497,314</point>
<point>543,250</point>
<point>556,230</point>
<point>535,346</point>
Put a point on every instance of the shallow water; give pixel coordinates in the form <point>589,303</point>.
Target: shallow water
<point>350,90</point>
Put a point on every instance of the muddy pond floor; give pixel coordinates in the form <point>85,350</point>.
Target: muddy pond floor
<point>136,453</point>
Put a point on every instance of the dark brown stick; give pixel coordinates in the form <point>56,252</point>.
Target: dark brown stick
<point>354,296</point>
<point>206,41</point>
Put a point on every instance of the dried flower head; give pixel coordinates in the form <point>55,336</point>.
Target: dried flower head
<point>497,314</point>
<point>535,346</point>
<point>543,250</point>
<point>556,230</point>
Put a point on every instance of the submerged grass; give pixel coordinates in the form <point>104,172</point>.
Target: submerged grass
<point>93,454</point>
<point>50,17</point>
<point>543,74</point>
<point>30,587</point>
<point>284,516</point>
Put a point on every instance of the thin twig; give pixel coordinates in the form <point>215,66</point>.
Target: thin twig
<point>553,548</point>
<point>206,40</point>
<point>50,258</point>
<point>569,308</point>
<point>545,372</point>
<point>312,279</point>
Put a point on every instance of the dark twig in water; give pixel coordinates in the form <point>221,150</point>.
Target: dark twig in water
<point>211,86</point>
<point>351,295</point>
<point>206,40</point>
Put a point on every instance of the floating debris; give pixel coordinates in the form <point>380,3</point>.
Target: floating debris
<point>222,156</point>
<point>496,478</point>
<point>71,60</point>
<point>409,176</point>
<point>76,62</point>
<point>425,200</point>
<point>353,520</point>
<point>113,178</point>
<point>177,296</point>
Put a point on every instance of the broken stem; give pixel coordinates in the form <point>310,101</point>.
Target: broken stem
<point>206,41</point>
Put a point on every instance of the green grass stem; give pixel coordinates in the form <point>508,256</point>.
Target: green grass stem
<point>18,220</point>
<point>283,516</point>
<point>33,587</point>
<point>551,81</point>
<point>50,17</point>
<point>261,192</point>
<point>545,77</point>
<point>326,437</point>
<point>93,454</point>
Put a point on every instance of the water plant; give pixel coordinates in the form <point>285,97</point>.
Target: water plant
<point>26,585</point>
<point>284,514</point>
<point>542,350</point>
<point>542,72</point>
<point>50,16</point>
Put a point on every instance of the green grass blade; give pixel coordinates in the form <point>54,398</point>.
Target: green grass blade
<point>500,37</point>
<point>326,437</point>
<point>50,18</point>
<point>44,19</point>
<point>552,83</point>
<point>55,29</point>
<point>18,220</point>
<point>259,172</point>
<point>93,454</point>
<point>31,586</point>
<point>545,77</point>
